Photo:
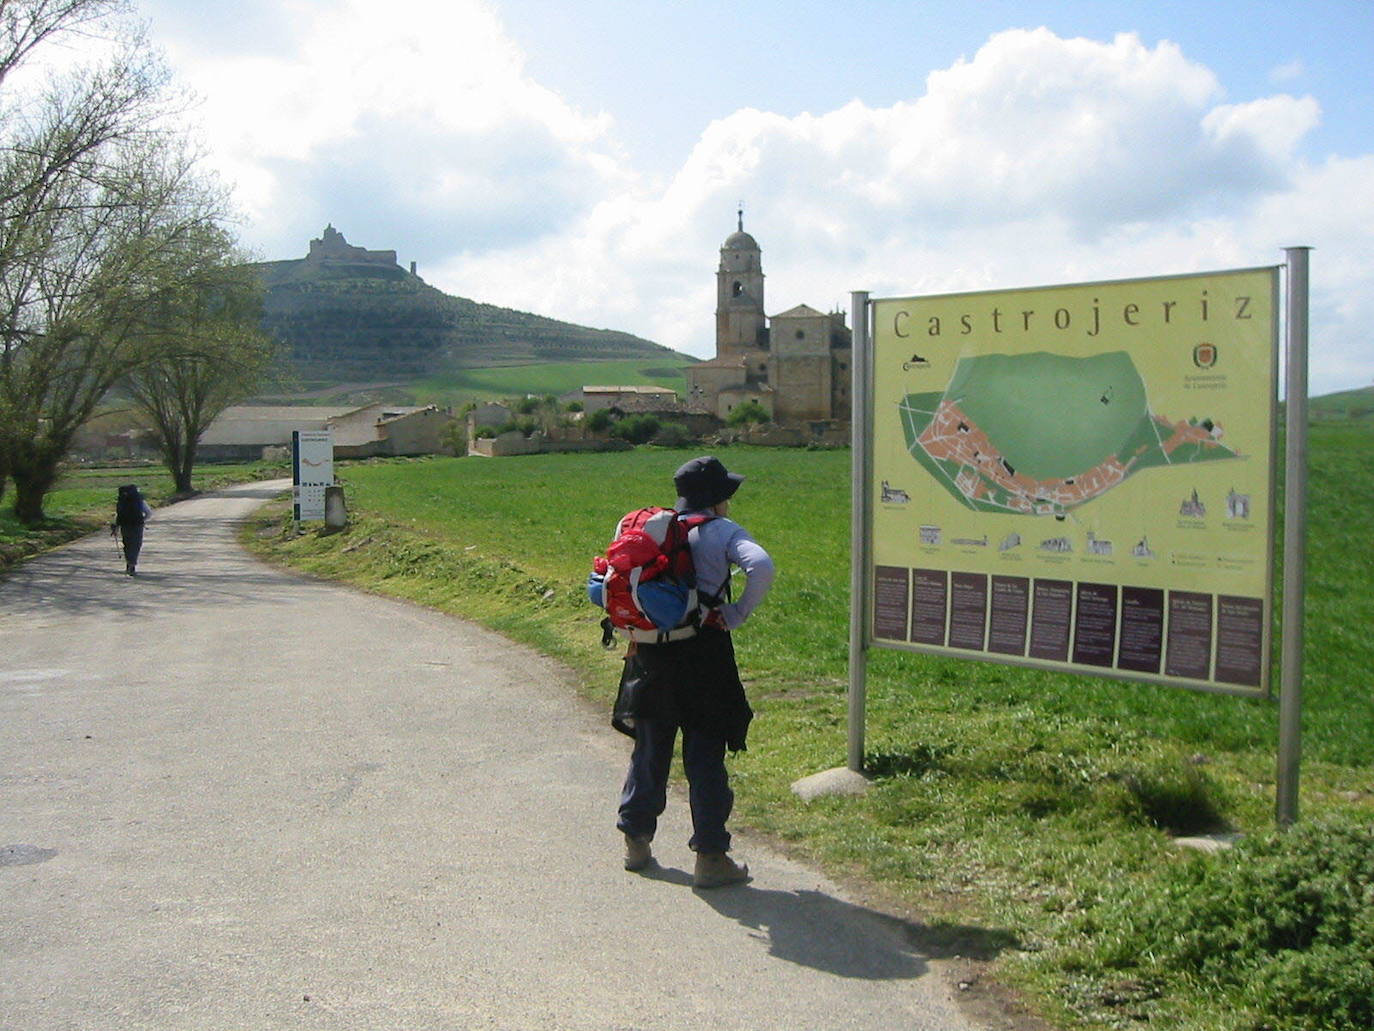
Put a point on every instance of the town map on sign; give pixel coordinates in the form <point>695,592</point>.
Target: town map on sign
<point>1040,434</point>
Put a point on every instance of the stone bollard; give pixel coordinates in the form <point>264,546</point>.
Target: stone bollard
<point>335,512</point>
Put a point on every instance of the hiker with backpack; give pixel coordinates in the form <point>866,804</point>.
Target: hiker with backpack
<point>680,671</point>
<point>131,512</point>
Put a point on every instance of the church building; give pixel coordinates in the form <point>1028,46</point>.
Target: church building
<point>796,364</point>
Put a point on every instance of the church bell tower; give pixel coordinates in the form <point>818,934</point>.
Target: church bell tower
<point>740,322</point>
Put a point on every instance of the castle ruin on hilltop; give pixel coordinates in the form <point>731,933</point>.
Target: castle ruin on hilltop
<point>331,246</point>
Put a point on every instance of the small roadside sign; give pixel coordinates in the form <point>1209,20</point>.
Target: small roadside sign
<point>312,470</point>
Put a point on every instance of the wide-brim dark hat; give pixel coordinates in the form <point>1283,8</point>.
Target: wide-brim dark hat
<point>704,482</point>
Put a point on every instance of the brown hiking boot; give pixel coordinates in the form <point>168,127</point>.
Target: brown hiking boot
<point>716,869</point>
<point>637,852</point>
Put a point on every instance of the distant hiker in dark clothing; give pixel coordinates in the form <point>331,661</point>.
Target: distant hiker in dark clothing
<point>694,686</point>
<point>131,512</point>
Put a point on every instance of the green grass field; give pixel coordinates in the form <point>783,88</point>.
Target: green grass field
<point>460,386</point>
<point>456,387</point>
<point>1027,816</point>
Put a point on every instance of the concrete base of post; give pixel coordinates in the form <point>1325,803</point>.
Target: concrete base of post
<point>335,511</point>
<point>840,781</point>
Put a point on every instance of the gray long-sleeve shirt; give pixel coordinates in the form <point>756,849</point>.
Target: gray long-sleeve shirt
<point>716,546</point>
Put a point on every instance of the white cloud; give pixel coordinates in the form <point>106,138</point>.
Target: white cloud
<point>1037,160</point>
<point>1274,125</point>
<point>411,124</point>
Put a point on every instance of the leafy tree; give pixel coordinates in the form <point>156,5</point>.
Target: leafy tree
<point>599,420</point>
<point>455,436</point>
<point>748,412</point>
<point>97,197</point>
<point>674,434</point>
<point>212,352</point>
<point>637,429</point>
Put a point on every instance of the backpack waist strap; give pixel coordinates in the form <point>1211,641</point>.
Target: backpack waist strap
<point>660,636</point>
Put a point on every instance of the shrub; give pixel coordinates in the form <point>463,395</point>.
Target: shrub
<point>637,429</point>
<point>749,412</point>
<point>599,420</point>
<point>1283,924</point>
<point>673,434</point>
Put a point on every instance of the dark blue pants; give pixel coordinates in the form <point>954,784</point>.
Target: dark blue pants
<point>132,536</point>
<point>645,794</point>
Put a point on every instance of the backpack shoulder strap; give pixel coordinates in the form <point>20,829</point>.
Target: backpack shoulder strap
<point>694,524</point>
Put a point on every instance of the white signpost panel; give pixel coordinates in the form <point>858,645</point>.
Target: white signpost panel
<point>312,470</point>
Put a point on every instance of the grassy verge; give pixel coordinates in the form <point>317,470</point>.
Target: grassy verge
<point>84,502</point>
<point>1026,815</point>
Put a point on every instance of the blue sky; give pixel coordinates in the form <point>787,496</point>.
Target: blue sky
<point>584,160</point>
<point>710,57</point>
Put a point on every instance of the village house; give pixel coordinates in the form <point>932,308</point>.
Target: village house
<point>246,432</point>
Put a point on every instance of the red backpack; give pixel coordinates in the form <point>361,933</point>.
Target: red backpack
<point>646,581</point>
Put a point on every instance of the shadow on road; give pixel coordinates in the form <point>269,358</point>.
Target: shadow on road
<point>78,586</point>
<point>816,930</point>
<point>188,563</point>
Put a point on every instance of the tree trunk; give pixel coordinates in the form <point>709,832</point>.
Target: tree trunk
<point>186,463</point>
<point>29,491</point>
<point>173,455</point>
<point>33,467</point>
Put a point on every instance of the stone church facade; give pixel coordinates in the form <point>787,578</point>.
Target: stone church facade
<point>796,364</point>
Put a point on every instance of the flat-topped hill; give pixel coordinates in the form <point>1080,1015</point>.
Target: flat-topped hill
<point>348,312</point>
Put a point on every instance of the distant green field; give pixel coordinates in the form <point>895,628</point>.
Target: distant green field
<point>494,383</point>
<point>1353,405</point>
<point>457,387</point>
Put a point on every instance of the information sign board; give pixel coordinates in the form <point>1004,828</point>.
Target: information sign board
<point>1079,477</point>
<point>312,470</point>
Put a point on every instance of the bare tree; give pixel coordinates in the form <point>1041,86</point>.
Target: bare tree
<point>98,200</point>
<point>213,353</point>
<point>27,24</point>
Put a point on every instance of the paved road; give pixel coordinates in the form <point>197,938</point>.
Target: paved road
<point>231,798</point>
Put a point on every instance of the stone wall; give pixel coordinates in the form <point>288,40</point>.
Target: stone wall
<point>516,443</point>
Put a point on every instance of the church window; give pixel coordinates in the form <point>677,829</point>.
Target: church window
<point>801,334</point>
<point>736,289</point>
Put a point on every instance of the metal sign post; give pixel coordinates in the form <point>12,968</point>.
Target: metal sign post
<point>1294,540</point>
<point>860,398</point>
